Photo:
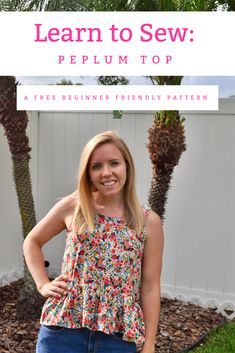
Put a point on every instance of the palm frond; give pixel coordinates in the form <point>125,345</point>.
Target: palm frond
<point>166,80</point>
<point>14,5</point>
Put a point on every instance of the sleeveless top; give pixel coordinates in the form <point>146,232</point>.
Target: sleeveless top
<point>104,271</point>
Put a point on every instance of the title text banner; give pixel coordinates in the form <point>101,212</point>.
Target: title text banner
<point>117,43</point>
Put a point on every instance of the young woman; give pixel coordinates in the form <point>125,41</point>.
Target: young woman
<point>107,298</point>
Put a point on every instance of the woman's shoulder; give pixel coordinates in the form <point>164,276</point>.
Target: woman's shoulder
<point>64,207</point>
<point>150,216</point>
<point>153,217</point>
<point>67,202</point>
<point>153,224</point>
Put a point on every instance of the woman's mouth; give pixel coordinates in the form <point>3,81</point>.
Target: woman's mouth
<point>109,183</point>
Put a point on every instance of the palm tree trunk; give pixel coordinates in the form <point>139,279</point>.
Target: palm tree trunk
<point>158,193</point>
<point>15,124</point>
<point>30,301</point>
<point>22,179</point>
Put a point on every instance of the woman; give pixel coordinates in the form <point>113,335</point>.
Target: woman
<point>107,298</point>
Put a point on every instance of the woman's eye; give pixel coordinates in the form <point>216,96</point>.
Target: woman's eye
<point>114,163</point>
<point>96,166</point>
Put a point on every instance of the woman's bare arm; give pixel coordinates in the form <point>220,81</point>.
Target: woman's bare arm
<point>151,272</point>
<point>53,223</point>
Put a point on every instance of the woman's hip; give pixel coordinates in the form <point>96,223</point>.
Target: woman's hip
<point>57,339</point>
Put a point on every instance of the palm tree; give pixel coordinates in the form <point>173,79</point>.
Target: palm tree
<point>65,5</point>
<point>130,5</point>
<point>15,123</point>
<point>166,143</point>
<point>112,5</point>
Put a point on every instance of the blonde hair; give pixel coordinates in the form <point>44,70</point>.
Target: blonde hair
<point>84,210</point>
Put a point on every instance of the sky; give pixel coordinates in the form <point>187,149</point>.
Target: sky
<point>226,83</point>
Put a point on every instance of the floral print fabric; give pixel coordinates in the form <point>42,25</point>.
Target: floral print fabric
<point>104,271</point>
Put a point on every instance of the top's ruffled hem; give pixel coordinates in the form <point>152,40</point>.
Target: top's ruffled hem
<point>128,319</point>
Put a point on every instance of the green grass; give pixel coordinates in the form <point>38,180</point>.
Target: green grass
<point>220,340</point>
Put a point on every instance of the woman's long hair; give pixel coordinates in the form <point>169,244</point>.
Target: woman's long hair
<point>84,210</point>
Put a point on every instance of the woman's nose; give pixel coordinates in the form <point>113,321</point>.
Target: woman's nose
<point>106,170</point>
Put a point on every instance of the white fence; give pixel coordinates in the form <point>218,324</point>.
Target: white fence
<point>199,263</point>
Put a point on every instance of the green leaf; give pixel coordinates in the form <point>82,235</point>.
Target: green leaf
<point>117,114</point>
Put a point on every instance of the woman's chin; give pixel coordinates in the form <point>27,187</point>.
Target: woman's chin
<point>110,193</point>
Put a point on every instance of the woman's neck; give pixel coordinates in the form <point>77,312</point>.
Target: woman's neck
<point>110,206</point>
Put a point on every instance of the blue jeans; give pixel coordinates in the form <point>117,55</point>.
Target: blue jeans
<point>54,339</point>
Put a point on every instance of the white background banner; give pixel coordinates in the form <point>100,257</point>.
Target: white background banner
<point>117,43</point>
<point>36,97</point>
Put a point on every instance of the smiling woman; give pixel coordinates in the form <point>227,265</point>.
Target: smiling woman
<point>112,258</point>
<point>87,192</point>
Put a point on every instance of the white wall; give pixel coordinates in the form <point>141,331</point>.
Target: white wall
<point>10,233</point>
<point>199,243</point>
<point>199,251</point>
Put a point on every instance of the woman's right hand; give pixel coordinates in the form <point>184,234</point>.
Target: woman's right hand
<point>56,288</point>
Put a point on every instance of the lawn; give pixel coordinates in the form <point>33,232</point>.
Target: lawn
<point>220,340</point>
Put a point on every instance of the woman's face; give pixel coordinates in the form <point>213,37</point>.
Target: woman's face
<point>107,170</point>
